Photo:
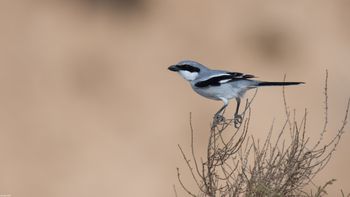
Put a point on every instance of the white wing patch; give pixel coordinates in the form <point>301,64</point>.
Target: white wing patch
<point>219,75</point>
<point>225,81</point>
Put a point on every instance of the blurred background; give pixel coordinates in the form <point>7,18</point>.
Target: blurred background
<point>88,107</point>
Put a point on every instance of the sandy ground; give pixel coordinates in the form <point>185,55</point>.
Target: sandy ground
<point>88,107</point>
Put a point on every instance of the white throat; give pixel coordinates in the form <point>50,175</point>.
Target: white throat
<point>189,76</point>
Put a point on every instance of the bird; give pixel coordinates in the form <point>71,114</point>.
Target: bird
<point>221,85</point>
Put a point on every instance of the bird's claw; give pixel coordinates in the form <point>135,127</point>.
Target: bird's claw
<point>219,118</point>
<point>237,120</point>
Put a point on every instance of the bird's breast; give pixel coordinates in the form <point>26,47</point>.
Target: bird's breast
<point>216,92</point>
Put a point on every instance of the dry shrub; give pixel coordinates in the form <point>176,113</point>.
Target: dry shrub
<point>240,165</point>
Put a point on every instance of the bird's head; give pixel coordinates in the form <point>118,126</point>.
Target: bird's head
<point>188,69</point>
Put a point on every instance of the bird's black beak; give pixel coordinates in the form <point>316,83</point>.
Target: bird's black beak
<point>173,68</point>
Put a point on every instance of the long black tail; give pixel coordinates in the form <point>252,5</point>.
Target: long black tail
<point>266,83</point>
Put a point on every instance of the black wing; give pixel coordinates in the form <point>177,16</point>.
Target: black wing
<point>217,80</point>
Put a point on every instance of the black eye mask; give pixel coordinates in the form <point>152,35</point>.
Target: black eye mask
<point>188,68</point>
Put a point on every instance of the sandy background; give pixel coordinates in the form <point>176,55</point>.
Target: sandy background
<point>88,108</point>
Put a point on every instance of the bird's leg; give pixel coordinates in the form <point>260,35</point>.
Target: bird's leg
<point>218,115</point>
<point>237,118</point>
<point>238,104</point>
<point>220,110</point>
